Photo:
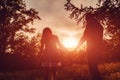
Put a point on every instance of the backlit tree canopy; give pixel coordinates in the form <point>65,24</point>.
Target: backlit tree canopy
<point>106,11</point>
<point>14,17</point>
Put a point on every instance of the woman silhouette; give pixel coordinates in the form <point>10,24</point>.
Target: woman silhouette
<point>49,53</point>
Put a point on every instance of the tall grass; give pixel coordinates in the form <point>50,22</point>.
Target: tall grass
<point>109,71</point>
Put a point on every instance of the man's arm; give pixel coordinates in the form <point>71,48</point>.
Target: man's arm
<point>82,40</point>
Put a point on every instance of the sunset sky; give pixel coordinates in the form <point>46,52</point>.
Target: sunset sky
<point>53,15</point>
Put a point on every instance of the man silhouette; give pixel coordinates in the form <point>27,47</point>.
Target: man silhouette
<point>93,35</point>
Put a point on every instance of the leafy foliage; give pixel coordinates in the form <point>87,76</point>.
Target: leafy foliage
<point>14,17</point>
<point>106,11</point>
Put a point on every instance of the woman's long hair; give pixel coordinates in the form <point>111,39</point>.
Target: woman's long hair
<point>47,32</point>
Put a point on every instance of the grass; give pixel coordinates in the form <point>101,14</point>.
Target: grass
<point>109,71</point>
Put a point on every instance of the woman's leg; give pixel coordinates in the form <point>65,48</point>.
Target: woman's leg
<point>54,72</point>
<point>46,73</point>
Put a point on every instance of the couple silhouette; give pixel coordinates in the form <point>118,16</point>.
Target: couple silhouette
<point>50,44</point>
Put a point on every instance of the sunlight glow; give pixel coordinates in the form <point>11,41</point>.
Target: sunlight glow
<point>70,43</point>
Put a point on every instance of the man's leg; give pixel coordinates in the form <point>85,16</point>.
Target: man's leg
<point>95,72</point>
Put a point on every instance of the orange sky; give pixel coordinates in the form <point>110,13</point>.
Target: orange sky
<point>54,16</point>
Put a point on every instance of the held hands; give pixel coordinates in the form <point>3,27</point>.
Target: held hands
<point>76,49</point>
<point>73,49</point>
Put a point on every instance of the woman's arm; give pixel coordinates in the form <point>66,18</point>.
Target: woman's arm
<point>59,43</point>
<point>41,47</point>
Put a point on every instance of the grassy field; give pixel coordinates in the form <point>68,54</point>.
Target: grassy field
<point>109,71</point>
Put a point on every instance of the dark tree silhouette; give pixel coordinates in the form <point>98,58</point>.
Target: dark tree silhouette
<point>14,17</point>
<point>25,46</point>
<point>107,13</point>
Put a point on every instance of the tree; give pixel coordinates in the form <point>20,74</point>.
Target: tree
<point>14,17</point>
<point>27,47</point>
<point>107,13</point>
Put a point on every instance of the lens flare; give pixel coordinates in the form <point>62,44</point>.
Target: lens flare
<point>70,43</point>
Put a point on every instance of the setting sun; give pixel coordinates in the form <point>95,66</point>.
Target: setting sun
<point>70,43</point>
